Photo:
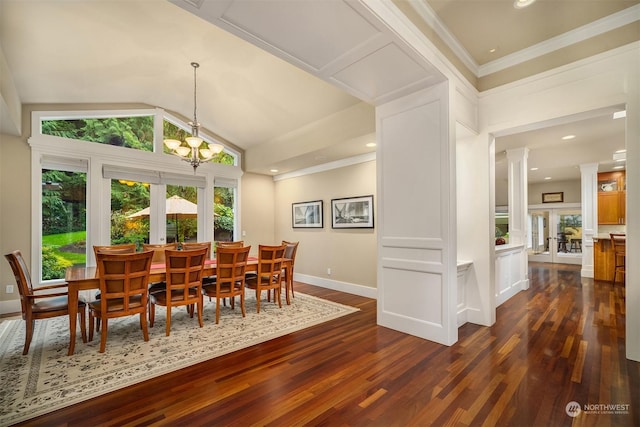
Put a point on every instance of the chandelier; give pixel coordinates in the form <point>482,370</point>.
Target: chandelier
<point>193,150</point>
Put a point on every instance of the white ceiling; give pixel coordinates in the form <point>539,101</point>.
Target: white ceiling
<point>285,117</point>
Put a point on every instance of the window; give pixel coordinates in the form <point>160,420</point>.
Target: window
<point>98,194</point>
<point>224,206</point>
<point>64,224</point>
<point>130,132</point>
<point>130,201</point>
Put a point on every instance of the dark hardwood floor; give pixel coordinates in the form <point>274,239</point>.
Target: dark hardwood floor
<point>560,341</point>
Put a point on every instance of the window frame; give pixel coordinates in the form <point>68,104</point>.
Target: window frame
<point>97,156</point>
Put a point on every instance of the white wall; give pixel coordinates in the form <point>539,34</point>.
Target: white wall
<point>349,253</point>
<point>257,211</point>
<point>602,81</point>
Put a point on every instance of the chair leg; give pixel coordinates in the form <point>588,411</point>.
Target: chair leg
<point>143,324</point>
<point>83,324</point>
<point>279,295</point>
<point>103,335</point>
<point>242,304</point>
<point>90,325</point>
<point>152,314</point>
<point>29,325</point>
<point>218,310</point>
<point>200,307</point>
<point>168,327</point>
<point>258,300</point>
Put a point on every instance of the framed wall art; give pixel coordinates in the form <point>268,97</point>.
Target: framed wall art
<point>307,214</point>
<point>552,197</point>
<point>352,212</point>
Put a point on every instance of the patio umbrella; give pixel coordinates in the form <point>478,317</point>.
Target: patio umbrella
<point>176,206</point>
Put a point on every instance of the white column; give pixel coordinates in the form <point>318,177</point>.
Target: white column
<point>417,271</point>
<point>589,183</point>
<point>518,195</point>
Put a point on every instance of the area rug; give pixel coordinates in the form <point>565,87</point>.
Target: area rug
<point>47,379</point>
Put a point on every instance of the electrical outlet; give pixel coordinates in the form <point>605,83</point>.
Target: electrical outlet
<point>329,271</point>
<point>9,289</point>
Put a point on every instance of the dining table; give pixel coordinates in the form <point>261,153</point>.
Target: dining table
<point>81,278</point>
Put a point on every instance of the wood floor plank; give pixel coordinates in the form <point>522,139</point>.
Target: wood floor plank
<point>562,340</point>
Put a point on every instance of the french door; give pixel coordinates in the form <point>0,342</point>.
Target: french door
<point>555,235</point>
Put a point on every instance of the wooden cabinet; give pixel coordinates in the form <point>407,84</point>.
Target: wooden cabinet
<point>612,197</point>
<point>602,260</point>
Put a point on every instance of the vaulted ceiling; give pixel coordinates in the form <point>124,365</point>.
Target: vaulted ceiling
<point>293,84</point>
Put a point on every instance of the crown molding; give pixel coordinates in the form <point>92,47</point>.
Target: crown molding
<point>603,25</point>
<point>595,28</point>
<point>362,158</point>
<point>428,14</point>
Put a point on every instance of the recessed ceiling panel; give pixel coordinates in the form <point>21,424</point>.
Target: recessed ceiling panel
<point>386,71</point>
<point>314,32</point>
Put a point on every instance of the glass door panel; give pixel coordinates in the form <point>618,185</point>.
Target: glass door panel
<point>182,214</point>
<point>130,201</point>
<point>64,222</point>
<point>555,235</point>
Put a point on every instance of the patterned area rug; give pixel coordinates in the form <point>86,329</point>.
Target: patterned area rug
<point>47,379</point>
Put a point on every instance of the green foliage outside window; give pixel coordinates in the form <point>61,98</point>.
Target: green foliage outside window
<point>64,193</point>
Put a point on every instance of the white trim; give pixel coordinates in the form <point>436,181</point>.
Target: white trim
<point>350,288</point>
<point>580,34</point>
<point>431,18</point>
<point>362,158</point>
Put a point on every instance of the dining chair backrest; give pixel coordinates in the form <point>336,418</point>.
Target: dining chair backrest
<point>50,300</point>
<point>231,264</point>
<point>127,248</point>
<point>184,270</point>
<point>23,278</point>
<point>618,243</point>
<point>236,244</point>
<point>124,280</point>
<point>158,250</point>
<point>291,248</point>
<point>270,260</point>
<point>199,245</point>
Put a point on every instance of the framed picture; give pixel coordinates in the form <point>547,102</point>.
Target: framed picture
<point>552,197</point>
<point>307,214</point>
<point>352,212</point>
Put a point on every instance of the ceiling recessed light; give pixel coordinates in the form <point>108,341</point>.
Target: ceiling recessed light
<point>521,4</point>
<point>493,50</point>
<point>370,144</point>
<point>568,137</point>
<point>547,178</point>
<point>620,114</point>
<point>534,169</point>
<point>273,170</point>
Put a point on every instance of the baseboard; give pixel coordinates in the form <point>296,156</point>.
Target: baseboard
<point>350,288</point>
<point>10,307</point>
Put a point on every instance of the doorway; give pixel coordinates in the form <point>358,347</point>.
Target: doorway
<point>555,235</point>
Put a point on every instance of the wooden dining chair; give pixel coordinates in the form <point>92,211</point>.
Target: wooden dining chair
<point>184,284</point>
<point>236,244</point>
<point>37,305</point>
<point>158,258</point>
<point>290,251</point>
<point>124,283</point>
<point>231,265</point>
<point>198,245</point>
<point>269,273</point>
<point>127,248</point>
<point>158,250</point>
<point>619,247</point>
